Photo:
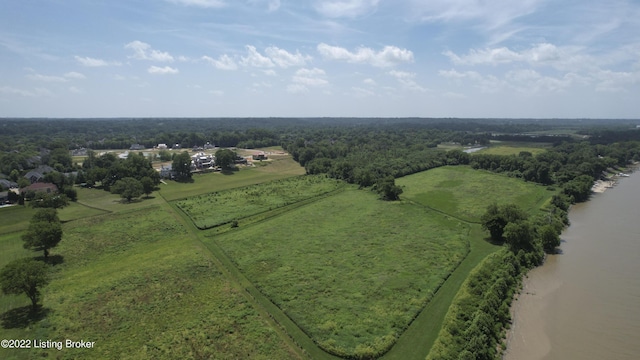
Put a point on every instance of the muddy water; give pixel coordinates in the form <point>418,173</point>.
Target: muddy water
<point>585,302</point>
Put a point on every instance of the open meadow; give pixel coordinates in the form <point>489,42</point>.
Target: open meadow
<point>217,208</point>
<point>465,193</point>
<point>352,271</point>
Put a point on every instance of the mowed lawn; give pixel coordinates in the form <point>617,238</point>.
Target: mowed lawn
<point>213,209</point>
<point>465,193</point>
<point>139,287</point>
<point>350,270</point>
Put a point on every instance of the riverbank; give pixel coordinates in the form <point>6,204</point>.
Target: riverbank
<point>582,302</point>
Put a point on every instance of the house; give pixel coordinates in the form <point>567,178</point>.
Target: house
<point>7,184</point>
<point>209,146</point>
<point>79,152</point>
<point>38,173</point>
<point>166,172</point>
<point>162,146</point>
<point>259,156</point>
<point>202,161</point>
<point>4,197</point>
<point>137,147</point>
<point>40,187</point>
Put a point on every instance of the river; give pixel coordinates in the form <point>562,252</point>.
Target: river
<point>584,303</point>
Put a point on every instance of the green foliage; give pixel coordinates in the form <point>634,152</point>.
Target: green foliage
<point>44,232</point>
<point>213,209</point>
<point>387,189</point>
<point>549,238</point>
<point>182,166</point>
<point>24,276</point>
<point>473,325</point>
<point>497,217</point>
<point>225,158</point>
<point>148,185</point>
<point>42,199</point>
<point>128,188</point>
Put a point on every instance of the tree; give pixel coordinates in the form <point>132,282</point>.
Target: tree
<point>24,276</point>
<point>388,189</point>
<point>44,232</point>
<point>519,235</point>
<point>42,199</point>
<point>496,218</point>
<point>147,185</point>
<point>128,188</point>
<point>225,158</point>
<point>549,238</point>
<point>182,166</point>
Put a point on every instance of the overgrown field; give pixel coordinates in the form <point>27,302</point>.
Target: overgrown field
<point>465,193</point>
<point>212,209</point>
<point>141,288</point>
<point>352,271</point>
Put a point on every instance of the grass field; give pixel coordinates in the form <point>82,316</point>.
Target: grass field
<point>213,209</point>
<point>465,193</point>
<point>351,270</point>
<point>514,148</point>
<point>141,288</point>
<point>348,272</point>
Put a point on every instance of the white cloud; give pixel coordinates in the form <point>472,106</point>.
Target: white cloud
<point>345,8</point>
<point>310,77</point>
<point>143,51</point>
<point>200,3</point>
<point>74,75</point>
<point>255,59</point>
<point>269,72</point>
<point>369,82</point>
<point>297,89</point>
<point>388,56</point>
<point>46,78</point>
<point>272,5</point>
<point>13,91</point>
<point>75,90</point>
<point>563,58</point>
<point>362,93</point>
<point>407,80</point>
<point>92,62</point>
<point>216,92</point>
<point>223,62</point>
<point>162,70</point>
<point>286,59</point>
<point>497,17</point>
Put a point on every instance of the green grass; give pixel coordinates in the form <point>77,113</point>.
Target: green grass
<point>15,218</point>
<point>211,182</point>
<point>514,148</point>
<point>352,271</point>
<point>465,193</point>
<point>141,288</point>
<point>213,209</point>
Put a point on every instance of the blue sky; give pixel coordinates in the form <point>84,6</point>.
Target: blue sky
<point>264,58</point>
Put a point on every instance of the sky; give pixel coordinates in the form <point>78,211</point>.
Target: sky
<point>320,58</point>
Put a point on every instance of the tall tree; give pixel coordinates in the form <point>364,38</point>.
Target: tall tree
<point>44,232</point>
<point>225,158</point>
<point>182,166</point>
<point>128,188</point>
<point>26,276</point>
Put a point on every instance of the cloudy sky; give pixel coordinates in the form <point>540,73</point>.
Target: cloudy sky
<point>263,58</point>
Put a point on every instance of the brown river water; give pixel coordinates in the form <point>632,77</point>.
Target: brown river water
<point>584,303</point>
